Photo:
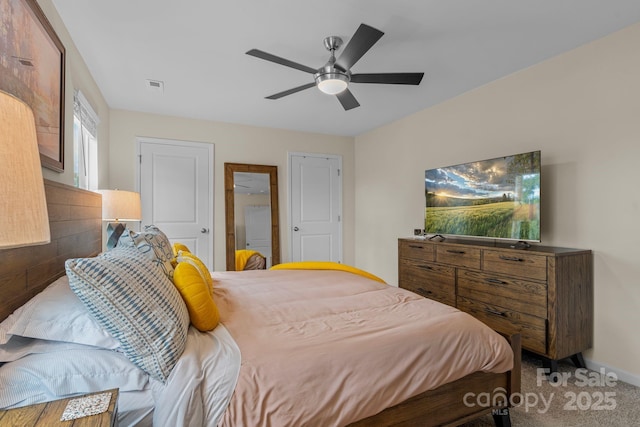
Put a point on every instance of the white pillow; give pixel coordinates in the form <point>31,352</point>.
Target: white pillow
<point>18,347</point>
<point>132,299</point>
<point>56,314</point>
<point>44,377</point>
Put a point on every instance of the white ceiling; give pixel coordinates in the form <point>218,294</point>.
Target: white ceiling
<point>197,48</point>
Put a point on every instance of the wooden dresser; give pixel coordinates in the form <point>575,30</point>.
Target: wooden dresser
<point>543,293</point>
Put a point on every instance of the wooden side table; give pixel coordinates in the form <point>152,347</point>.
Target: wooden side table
<point>49,413</point>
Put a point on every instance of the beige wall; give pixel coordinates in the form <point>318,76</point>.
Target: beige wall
<point>238,144</point>
<point>77,76</point>
<point>582,109</point>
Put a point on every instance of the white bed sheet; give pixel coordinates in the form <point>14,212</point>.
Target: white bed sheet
<point>200,386</point>
<point>135,408</point>
<point>196,393</point>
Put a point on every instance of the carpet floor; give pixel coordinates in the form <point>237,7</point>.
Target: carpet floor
<point>581,398</point>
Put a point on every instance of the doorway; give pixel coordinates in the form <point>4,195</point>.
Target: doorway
<point>315,185</point>
<point>176,190</point>
<point>257,224</point>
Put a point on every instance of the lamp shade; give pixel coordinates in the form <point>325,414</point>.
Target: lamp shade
<point>118,205</point>
<point>24,219</point>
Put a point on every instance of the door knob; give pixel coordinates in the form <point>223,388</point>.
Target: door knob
<point>296,229</point>
<point>204,230</point>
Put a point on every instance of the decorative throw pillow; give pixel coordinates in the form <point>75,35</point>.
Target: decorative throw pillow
<point>256,262</point>
<point>196,294</point>
<point>177,247</point>
<point>131,298</point>
<point>153,243</point>
<point>190,258</point>
<point>243,256</point>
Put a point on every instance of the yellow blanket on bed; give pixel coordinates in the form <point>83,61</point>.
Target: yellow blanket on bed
<point>324,265</point>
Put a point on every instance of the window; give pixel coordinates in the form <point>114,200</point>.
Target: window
<point>85,143</point>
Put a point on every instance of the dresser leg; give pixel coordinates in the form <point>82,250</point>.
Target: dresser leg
<point>501,417</point>
<point>578,360</point>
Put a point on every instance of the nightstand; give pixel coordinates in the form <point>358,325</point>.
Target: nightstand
<point>49,413</point>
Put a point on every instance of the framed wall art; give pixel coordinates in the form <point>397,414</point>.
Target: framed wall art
<point>32,61</point>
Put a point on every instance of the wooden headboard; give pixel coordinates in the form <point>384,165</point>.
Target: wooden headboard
<point>76,231</point>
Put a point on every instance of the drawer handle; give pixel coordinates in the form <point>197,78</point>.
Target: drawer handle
<point>495,281</point>
<point>452,251</point>
<point>416,247</point>
<point>511,258</point>
<point>424,267</point>
<point>496,312</point>
<point>424,291</point>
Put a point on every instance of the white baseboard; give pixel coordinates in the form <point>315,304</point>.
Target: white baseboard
<point>625,376</point>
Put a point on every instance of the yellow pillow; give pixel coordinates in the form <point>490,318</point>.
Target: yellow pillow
<point>242,256</point>
<point>195,292</point>
<point>177,247</point>
<point>199,265</point>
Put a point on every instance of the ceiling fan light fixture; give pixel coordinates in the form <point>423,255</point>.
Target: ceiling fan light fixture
<point>332,83</point>
<point>334,76</point>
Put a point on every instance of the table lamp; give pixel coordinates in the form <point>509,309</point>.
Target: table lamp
<point>24,220</point>
<point>118,206</point>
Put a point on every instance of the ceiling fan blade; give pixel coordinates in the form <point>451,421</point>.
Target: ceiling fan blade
<point>388,78</point>
<point>347,100</point>
<point>269,57</point>
<point>290,91</point>
<point>364,37</point>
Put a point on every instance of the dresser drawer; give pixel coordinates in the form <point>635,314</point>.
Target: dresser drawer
<point>425,271</point>
<point>515,263</point>
<point>458,256</point>
<point>432,290</point>
<point>520,295</point>
<point>416,249</point>
<point>532,329</point>
<point>430,280</point>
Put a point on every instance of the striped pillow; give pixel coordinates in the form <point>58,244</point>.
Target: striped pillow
<point>135,302</point>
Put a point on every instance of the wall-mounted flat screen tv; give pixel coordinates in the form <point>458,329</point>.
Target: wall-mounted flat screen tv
<point>497,199</point>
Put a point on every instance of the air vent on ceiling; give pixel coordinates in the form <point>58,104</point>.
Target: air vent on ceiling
<point>155,85</point>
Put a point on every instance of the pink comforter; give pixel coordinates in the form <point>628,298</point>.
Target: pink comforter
<point>327,348</point>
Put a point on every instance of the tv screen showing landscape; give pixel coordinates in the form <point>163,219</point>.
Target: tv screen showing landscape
<point>497,198</point>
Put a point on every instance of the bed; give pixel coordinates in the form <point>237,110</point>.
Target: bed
<point>263,327</point>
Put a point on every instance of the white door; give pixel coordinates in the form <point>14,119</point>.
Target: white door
<point>257,222</point>
<point>316,207</point>
<point>176,190</point>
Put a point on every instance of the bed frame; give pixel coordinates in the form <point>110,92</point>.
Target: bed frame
<point>76,231</point>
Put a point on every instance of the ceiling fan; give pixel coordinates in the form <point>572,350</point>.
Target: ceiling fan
<point>334,77</point>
